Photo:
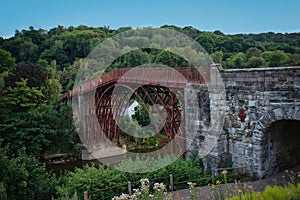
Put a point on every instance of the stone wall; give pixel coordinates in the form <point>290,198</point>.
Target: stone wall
<point>266,95</point>
<point>197,116</point>
<point>205,107</point>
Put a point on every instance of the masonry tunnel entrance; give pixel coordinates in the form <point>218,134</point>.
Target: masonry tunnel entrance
<point>283,146</point>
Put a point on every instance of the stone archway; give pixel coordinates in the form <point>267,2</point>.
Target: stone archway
<point>278,134</point>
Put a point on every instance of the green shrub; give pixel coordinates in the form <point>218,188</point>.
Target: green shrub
<point>277,192</point>
<point>289,191</point>
<point>3,195</point>
<point>92,179</point>
<point>95,179</point>
<point>22,178</point>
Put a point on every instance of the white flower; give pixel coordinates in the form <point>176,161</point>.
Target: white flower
<point>159,187</point>
<point>136,190</point>
<point>144,181</point>
<point>191,184</point>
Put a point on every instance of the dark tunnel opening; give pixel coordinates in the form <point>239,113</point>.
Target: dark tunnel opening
<point>283,146</point>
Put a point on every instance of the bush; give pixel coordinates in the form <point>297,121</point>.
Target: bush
<point>92,179</point>
<point>182,170</point>
<point>3,195</point>
<point>95,179</point>
<point>289,191</point>
<point>22,178</point>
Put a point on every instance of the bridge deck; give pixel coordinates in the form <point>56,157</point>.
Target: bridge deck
<point>169,77</point>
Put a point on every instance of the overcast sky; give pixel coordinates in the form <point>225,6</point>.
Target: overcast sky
<point>229,16</point>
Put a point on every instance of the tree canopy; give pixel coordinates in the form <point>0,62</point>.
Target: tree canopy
<point>66,45</point>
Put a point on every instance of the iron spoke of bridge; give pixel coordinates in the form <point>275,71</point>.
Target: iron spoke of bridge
<point>159,113</point>
<point>165,93</point>
<point>171,104</point>
<point>104,112</point>
<point>110,111</point>
<point>141,99</point>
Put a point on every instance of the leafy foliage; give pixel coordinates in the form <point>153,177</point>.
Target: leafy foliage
<point>22,178</point>
<point>29,119</point>
<point>65,45</point>
<point>34,75</point>
<point>141,115</point>
<point>6,60</point>
<point>95,179</point>
<point>288,191</point>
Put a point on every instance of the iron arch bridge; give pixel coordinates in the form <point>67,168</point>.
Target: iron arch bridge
<point>102,101</point>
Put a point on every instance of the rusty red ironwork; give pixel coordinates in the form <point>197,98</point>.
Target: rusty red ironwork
<point>147,75</point>
<point>154,88</point>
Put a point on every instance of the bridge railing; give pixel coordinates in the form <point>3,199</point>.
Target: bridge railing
<point>161,76</point>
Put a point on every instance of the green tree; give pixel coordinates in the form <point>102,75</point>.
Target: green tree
<point>190,31</point>
<point>217,57</point>
<point>58,120</point>
<point>69,74</point>
<point>253,52</point>
<point>65,45</point>
<point>294,59</point>
<point>27,120</point>
<point>21,97</point>
<point>20,117</point>
<point>52,87</point>
<point>275,58</point>
<point>34,74</point>
<point>207,42</point>
<point>236,61</point>
<point>56,52</point>
<point>141,115</point>
<point>23,178</point>
<point>255,62</point>
<point>131,129</point>
<point>169,59</point>
<point>231,44</point>
<point>23,49</point>
<point>6,61</point>
<point>50,69</point>
<point>132,59</point>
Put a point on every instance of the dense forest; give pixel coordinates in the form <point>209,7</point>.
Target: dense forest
<point>36,66</point>
<point>62,48</point>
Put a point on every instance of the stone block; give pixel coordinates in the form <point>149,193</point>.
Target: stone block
<point>252,103</point>
<point>231,130</point>
<point>297,114</point>
<point>278,113</point>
